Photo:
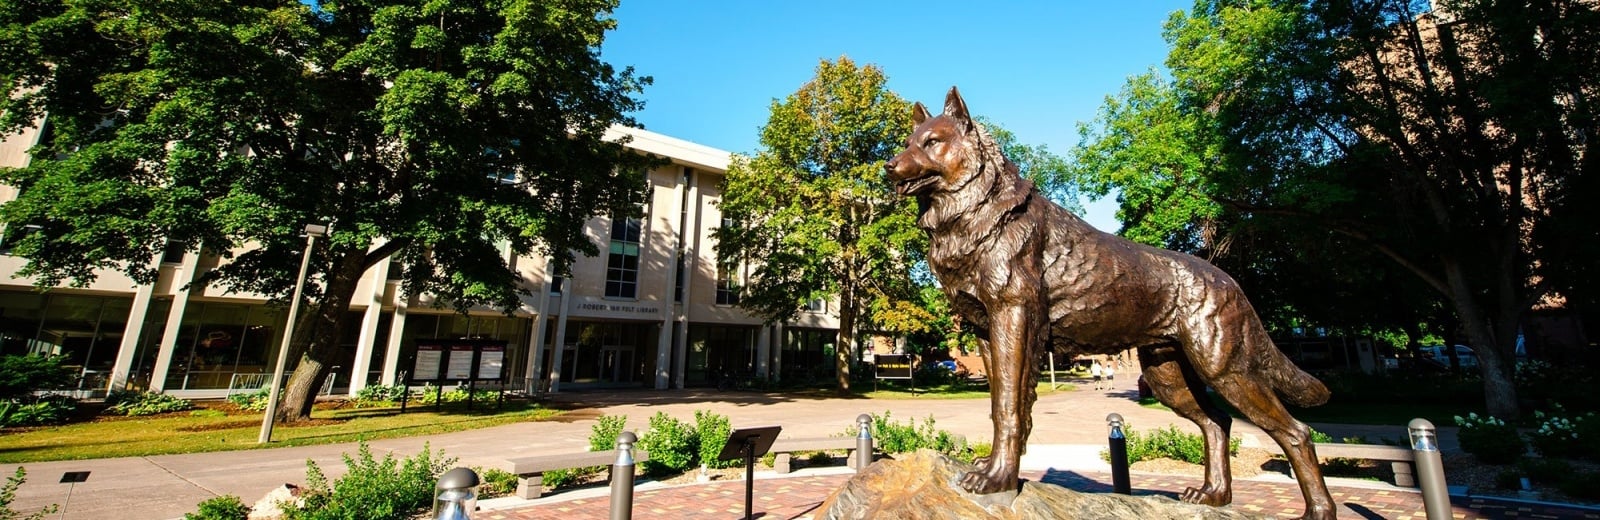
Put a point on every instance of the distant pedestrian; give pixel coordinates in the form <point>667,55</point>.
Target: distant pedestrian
<point>1098,372</point>
<point>1111,376</point>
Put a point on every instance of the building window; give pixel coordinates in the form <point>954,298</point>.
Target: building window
<point>727,286</point>
<point>622,265</point>
<point>817,305</point>
<point>555,284</point>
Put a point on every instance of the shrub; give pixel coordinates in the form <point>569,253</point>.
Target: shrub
<point>819,458</point>
<point>1581,485</point>
<point>713,430</point>
<point>1558,436</point>
<point>1508,479</point>
<point>1545,471</point>
<point>1168,443</point>
<point>372,489</point>
<point>8,492</point>
<point>1489,439</point>
<point>20,376</point>
<point>454,395</point>
<point>974,452</point>
<point>379,395</point>
<point>225,507</point>
<point>149,403</point>
<point>496,482</point>
<point>672,445</point>
<point>556,478</point>
<point>893,437</point>
<point>603,435</point>
<point>254,401</point>
<point>49,409</point>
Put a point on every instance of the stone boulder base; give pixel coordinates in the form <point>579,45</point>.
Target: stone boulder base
<point>921,486</point>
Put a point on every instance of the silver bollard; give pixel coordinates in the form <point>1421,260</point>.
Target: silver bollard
<point>622,478</point>
<point>1430,469</point>
<point>455,497</point>
<point>863,442</point>
<point>1118,441</point>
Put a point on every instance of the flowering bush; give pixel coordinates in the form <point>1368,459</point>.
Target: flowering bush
<point>1556,436</point>
<point>1490,439</point>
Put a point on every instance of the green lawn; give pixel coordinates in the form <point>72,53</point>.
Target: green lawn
<point>896,390</point>
<point>188,432</point>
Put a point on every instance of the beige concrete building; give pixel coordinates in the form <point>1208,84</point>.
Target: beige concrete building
<point>652,310</point>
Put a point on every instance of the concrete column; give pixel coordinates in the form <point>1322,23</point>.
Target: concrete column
<point>369,325</point>
<point>558,345</point>
<point>777,352</point>
<point>182,278</point>
<point>131,333</point>
<point>391,357</point>
<point>541,318</point>
<point>763,350</point>
<point>691,263</point>
<point>673,307</point>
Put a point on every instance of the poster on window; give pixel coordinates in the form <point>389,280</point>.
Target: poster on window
<point>459,364</point>
<point>427,367</point>
<point>490,360</point>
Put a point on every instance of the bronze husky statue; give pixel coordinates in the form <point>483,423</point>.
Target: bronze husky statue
<point>1028,275</point>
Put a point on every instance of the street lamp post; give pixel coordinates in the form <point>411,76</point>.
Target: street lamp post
<point>312,232</point>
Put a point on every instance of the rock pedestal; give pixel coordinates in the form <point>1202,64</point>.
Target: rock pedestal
<point>921,486</point>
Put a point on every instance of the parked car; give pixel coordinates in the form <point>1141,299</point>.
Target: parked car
<point>1438,354</point>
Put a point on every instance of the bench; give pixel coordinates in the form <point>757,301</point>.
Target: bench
<point>784,450</point>
<point>530,470</point>
<point>1401,459</point>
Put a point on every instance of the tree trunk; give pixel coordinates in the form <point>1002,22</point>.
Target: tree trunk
<point>320,332</point>
<point>844,346</point>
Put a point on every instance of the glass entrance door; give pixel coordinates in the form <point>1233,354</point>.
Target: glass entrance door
<point>616,364</point>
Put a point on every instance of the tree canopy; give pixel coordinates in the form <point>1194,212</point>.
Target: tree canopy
<point>439,133</point>
<point>811,210</point>
<point>1447,138</point>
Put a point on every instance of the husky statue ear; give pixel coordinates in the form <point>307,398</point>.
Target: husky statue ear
<point>919,113</point>
<point>954,106</point>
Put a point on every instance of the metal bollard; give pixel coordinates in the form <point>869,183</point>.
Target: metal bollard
<point>455,497</point>
<point>863,442</point>
<point>1430,469</point>
<point>1119,456</point>
<point>622,478</point>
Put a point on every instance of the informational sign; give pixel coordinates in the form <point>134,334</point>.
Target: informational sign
<point>894,366</point>
<point>460,363</point>
<point>490,360</point>
<point>429,360</point>
<point>445,360</point>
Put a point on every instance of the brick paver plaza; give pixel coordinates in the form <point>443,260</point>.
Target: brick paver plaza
<point>799,498</point>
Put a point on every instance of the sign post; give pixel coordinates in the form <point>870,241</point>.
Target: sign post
<point>72,478</point>
<point>749,443</point>
<point>895,366</point>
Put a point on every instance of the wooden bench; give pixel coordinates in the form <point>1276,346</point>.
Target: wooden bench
<point>784,449</point>
<point>1401,460</point>
<point>530,470</point>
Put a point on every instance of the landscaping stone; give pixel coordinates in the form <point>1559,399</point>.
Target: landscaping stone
<point>921,486</point>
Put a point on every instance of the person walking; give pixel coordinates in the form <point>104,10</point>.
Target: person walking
<point>1097,372</point>
<point>1111,375</point>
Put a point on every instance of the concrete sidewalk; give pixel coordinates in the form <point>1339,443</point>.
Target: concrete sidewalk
<point>1066,427</point>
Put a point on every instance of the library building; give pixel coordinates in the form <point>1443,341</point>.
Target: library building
<point>652,310</point>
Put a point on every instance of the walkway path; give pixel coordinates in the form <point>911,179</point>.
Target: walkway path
<point>1067,425</point>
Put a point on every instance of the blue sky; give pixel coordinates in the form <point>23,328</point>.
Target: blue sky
<point>1035,67</point>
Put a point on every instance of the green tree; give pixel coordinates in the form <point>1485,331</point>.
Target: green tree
<point>441,133</point>
<point>1451,142</point>
<point>812,210</point>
